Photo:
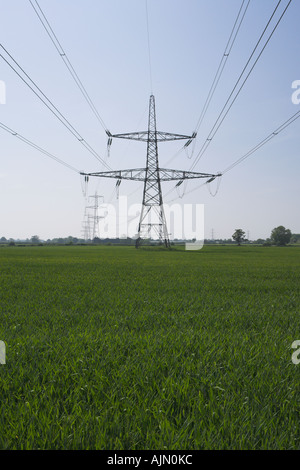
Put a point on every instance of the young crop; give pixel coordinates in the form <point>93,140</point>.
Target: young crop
<point>117,348</point>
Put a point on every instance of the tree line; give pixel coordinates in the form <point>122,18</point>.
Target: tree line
<point>280,236</point>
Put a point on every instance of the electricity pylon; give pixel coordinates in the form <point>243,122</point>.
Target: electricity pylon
<point>93,232</point>
<point>86,227</point>
<point>95,217</point>
<point>152,176</point>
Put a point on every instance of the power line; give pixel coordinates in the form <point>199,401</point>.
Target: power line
<point>149,50</point>
<point>48,103</point>
<point>40,149</point>
<point>283,126</point>
<point>221,118</point>
<point>225,56</point>
<point>263,142</point>
<point>231,40</point>
<point>49,30</point>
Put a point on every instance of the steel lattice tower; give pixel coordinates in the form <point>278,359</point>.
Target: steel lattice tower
<point>152,216</point>
<point>152,204</point>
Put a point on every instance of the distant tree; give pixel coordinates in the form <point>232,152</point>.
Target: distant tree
<point>35,239</point>
<point>239,236</point>
<point>281,235</point>
<point>295,238</point>
<point>3,240</point>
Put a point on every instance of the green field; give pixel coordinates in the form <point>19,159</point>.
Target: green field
<point>117,348</point>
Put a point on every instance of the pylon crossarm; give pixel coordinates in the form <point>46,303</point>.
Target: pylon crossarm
<point>136,174</point>
<point>165,136</point>
<point>165,174</point>
<point>159,136</point>
<point>133,136</point>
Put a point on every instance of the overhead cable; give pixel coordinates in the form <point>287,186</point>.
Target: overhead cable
<point>263,142</point>
<point>225,56</point>
<point>149,50</point>
<point>283,126</point>
<point>232,38</point>
<point>42,17</point>
<point>48,103</point>
<point>40,149</point>
<point>224,113</point>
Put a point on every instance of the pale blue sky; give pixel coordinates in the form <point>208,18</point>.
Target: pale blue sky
<point>106,42</point>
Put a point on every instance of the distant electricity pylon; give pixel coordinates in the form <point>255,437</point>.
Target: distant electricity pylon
<point>86,227</point>
<point>92,230</point>
<point>95,217</point>
<point>152,218</point>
